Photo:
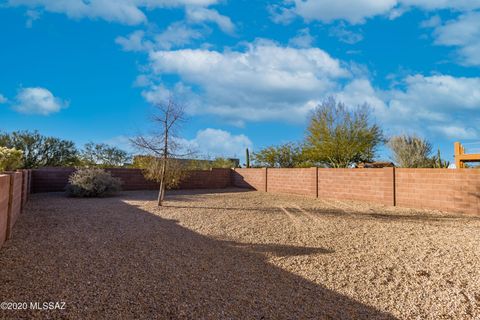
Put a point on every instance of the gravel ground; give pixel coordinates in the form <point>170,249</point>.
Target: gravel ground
<point>239,255</point>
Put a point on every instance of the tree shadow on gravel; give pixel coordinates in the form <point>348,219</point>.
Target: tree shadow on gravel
<point>110,260</point>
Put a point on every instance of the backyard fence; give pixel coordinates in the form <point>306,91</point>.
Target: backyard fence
<point>443,189</point>
<point>56,179</point>
<point>14,193</point>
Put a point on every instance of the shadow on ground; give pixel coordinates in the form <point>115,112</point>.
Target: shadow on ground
<point>109,259</point>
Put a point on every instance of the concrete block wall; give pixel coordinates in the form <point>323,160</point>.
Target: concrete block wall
<point>371,185</point>
<point>4,200</point>
<point>300,181</point>
<point>443,189</point>
<point>15,202</point>
<point>14,194</point>
<point>207,179</point>
<point>56,179</point>
<point>255,178</point>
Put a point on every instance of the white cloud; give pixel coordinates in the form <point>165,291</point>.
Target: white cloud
<point>218,143</point>
<point>265,81</point>
<point>341,32</point>
<point>176,35</point>
<point>135,41</point>
<point>357,11</point>
<point>438,104</point>
<point>456,132</point>
<point>354,11</point>
<point>303,39</point>
<point>3,99</point>
<point>123,11</point>
<point>198,14</point>
<point>463,33</point>
<point>38,101</point>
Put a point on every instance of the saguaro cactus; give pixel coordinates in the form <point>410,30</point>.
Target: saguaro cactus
<point>247,158</point>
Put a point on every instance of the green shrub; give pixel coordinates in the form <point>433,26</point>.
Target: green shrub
<point>10,159</point>
<point>92,183</point>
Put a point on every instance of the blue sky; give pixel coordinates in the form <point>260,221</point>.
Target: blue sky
<point>249,72</point>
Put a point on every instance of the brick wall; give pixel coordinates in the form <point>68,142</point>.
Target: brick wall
<point>4,197</point>
<point>373,185</point>
<point>15,203</point>
<point>207,179</point>
<point>301,181</point>
<point>450,190</point>
<point>254,178</point>
<point>56,179</point>
<point>444,189</point>
<point>25,192</point>
<point>14,194</point>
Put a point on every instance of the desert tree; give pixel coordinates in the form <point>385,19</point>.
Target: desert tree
<point>39,150</point>
<point>162,143</point>
<point>338,136</point>
<point>287,155</point>
<point>103,155</point>
<point>411,151</point>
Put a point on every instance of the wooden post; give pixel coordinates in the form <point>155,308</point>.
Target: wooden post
<point>459,150</point>
<point>266,179</point>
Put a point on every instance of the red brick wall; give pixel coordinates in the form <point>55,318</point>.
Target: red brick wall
<point>15,205</point>
<point>301,181</point>
<point>444,189</point>
<point>4,196</point>
<point>254,178</point>
<point>374,185</point>
<point>50,180</point>
<point>207,179</point>
<point>25,187</point>
<point>132,179</point>
<point>56,179</point>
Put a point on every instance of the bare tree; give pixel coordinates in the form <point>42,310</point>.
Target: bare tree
<point>410,151</point>
<point>162,143</point>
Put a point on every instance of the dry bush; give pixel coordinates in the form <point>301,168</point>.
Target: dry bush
<point>92,183</point>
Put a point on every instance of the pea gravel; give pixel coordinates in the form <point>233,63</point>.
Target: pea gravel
<point>239,255</point>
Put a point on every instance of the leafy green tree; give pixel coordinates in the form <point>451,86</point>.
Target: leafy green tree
<point>410,151</point>
<point>10,159</point>
<point>338,136</point>
<point>288,155</point>
<point>222,163</point>
<point>102,155</point>
<point>41,151</point>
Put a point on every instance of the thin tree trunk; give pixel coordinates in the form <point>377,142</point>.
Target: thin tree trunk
<point>161,193</point>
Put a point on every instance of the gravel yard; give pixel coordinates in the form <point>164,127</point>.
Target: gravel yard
<point>239,255</point>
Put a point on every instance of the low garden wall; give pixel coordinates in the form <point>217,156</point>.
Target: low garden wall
<point>14,193</point>
<point>56,179</point>
<point>455,190</point>
<point>443,189</point>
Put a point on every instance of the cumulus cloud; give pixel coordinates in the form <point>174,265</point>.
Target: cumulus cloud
<point>303,39</point>
<point>438,104</point>
<point>176,35</point>
<point>218,143</point>
<point>357,11</point>
<point>123,11</point>
<point>3,99</point>
<point>38,101</point>
<point>341,32</point>
<point>265,81</point>
<point>198,14</point>
<point>462,33</point>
